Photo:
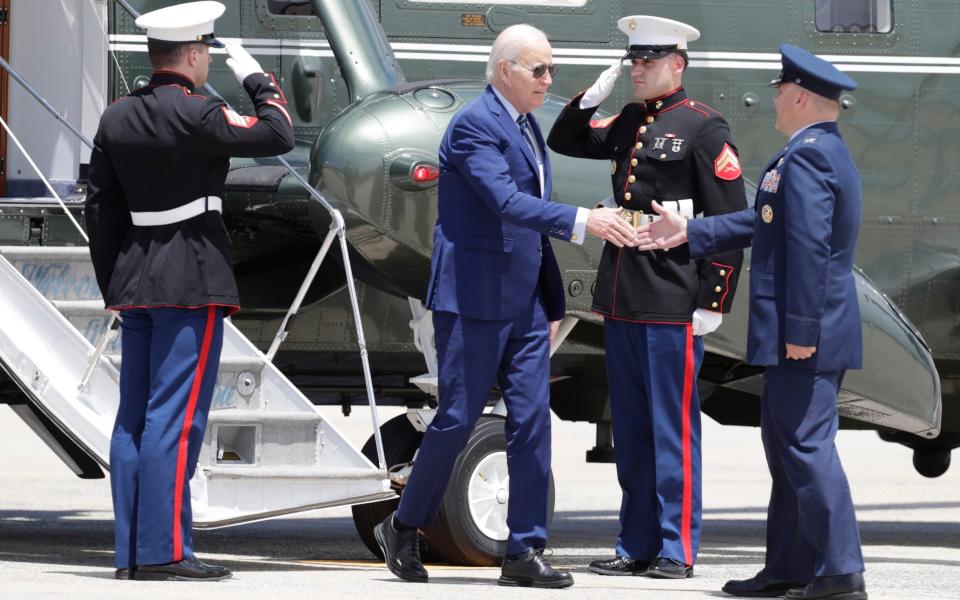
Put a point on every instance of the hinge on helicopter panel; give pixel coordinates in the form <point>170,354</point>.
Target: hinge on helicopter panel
<point>3,166</point>
<point>4,15</point>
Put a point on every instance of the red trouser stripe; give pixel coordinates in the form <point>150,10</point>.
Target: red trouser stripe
<point>185,433</point>
<point>685,516</point>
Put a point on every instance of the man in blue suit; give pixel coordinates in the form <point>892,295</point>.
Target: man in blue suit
<point>497,296</point>
<point>804,328</point>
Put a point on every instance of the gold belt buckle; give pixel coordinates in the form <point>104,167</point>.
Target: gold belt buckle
<point>636,217</point>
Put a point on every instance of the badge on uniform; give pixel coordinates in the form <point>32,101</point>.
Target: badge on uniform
<point>766,213</point>
<point>727,164</point>
<point>771,182</point>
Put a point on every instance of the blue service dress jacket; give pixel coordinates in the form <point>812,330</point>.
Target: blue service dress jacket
<point>491,253</point>
<point>803,228</point>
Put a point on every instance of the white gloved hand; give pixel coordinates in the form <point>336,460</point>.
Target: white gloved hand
<point>240,62</point>
<point>705,321</point>
<point>602,87</point>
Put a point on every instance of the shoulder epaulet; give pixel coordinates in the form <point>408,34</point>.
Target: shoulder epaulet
<point>703,109</point>
<point>810,136</point>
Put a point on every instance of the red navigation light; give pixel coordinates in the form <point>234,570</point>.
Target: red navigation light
<point>423,173</point>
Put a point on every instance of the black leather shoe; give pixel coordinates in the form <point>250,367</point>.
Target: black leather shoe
<point>401,551</point>
<point>188,569</point>
<point>531,570</point>
<point>760,585</point>
<point>619,565</point>
<point>834,587</point>
<point>667,568</point>
<point>124,573</point>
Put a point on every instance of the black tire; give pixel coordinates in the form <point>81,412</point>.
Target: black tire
<point>455,537</point>
<point>400,443</point>
<point>931,461</point>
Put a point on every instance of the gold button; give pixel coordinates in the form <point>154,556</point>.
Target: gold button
<point>627,196</point>
<point>643,129</point>
<point>650,119</point>
<point>692,103</point>
<point>718,289</point>
<point>634,162</point>
<point>714,305</point>
<point>663,156</point>
<point>276,95</point>
<point>723,273</point>
<point>639,145</point>
<point>573,237</point>
<point>631,179</point>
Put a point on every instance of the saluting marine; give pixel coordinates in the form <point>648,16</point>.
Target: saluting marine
<point>679,152</point>
<point>160,252</point>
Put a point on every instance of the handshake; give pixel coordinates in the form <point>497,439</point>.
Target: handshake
<point>609,224</point>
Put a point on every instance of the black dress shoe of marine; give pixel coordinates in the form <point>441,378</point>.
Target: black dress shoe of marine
<point>530,569</point>
<point>188,569</point>
<point>124,573</point>
<point>760,585</point>
<point>667,568</point>
<point>833,587</point>
<point>401,551</point>
<point>619,565</point>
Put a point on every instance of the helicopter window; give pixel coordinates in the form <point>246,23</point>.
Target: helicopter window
<point>854,16</point>
<point>295,8</point>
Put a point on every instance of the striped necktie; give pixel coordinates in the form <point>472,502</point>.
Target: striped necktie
<point>527,132</point>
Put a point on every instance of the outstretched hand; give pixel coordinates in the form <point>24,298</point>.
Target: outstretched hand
<point>608,223</point>
<point>668,232</point>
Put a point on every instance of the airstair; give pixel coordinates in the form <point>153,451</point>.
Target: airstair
<point>267,450</point>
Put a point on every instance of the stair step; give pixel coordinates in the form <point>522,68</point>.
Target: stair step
<point>317,473</point>
<point>227,363</point>
<point>72,308</point>
<point>257,416</point>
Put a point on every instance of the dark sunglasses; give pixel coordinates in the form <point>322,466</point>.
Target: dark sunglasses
<point>540,70</point>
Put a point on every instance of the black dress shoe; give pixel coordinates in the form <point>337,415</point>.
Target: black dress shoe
<point>667,568</point>
<point>188,569</point>
<point>760,585</point>
<point>124,573</point>
<point>619,565</point>
<point>531,570</point>
<point>834,587</point>
<point>401,551</point>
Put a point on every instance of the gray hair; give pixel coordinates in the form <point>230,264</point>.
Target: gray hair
<point>509,43</point>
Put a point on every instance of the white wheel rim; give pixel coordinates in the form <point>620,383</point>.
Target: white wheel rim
<point>488,493</point>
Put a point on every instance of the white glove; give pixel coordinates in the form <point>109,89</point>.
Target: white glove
<point>602,87</point>
<point>705,321</point>
<point>240,62</point>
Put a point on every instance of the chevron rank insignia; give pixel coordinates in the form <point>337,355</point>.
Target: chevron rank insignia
<point>727,164</point>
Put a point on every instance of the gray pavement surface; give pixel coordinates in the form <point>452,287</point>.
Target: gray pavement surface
<point>56,531</point>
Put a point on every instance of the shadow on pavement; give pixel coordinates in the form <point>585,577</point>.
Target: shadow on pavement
<point>66,538</point>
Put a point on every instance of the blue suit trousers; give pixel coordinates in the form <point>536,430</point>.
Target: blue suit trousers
<point>652,372</point>
<point>473,355</point>
<point>167,378</point>
<point>811,525</point>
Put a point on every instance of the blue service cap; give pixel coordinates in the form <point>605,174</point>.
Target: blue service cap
<point>815,74</point>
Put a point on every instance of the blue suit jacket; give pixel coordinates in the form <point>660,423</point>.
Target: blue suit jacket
<point>803,228</point>
<point>490,250</point>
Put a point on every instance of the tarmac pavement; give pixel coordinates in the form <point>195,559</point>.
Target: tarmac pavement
<point>56,531</point>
